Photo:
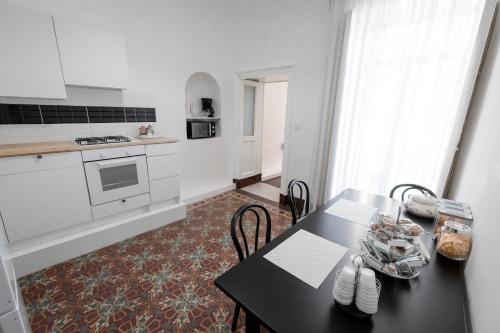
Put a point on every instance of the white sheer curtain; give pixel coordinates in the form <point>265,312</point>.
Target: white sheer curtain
<point>404,72</point>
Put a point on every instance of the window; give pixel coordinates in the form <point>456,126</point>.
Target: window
<point>404,74</point>
<point>249,111</point>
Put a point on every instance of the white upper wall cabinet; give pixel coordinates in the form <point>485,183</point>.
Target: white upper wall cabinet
<point>29,61</point>
<point>90,55</point>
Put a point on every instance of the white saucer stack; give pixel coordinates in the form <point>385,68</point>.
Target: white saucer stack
<point>357,285</point>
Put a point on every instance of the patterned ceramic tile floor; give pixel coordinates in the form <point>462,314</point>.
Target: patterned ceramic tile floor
<point>159,281</point>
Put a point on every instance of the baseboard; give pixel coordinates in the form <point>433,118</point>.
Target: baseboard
<point>248,181</point>
<point>271,176</point>
<point>40,256</point>
<point>283,199</point>
<point>194,197</point>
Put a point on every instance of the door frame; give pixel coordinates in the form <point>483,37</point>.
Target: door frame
<point>289,70</point>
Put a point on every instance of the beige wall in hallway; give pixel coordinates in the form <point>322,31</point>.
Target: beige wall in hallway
<point>273,135</point>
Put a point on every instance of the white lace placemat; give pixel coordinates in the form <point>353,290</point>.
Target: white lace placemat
<point>307,256</point>
<point>352,211</point>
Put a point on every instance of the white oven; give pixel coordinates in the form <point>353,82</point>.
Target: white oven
<point>116,173</point>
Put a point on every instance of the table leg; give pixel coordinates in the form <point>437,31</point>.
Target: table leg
<point>251,323</point>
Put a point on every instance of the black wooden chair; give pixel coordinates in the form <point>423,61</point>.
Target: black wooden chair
<point>411,187</point>
<point>237,222</point>
<point>299,205</point>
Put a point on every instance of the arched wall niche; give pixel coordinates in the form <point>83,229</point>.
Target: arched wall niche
<point>202,85</point>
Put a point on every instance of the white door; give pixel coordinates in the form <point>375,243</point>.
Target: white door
<point>250,129</point>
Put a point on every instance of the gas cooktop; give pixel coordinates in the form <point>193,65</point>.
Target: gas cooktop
<point>96,140</point>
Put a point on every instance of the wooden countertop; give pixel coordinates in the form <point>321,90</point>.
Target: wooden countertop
<point>32,148</point>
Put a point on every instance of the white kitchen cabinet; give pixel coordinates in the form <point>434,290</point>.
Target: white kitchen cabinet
<point>91,55</point>
<point>164,189</point>
<point>40,201</point>
<point>7,300</point>
<point>29,60</point>
<point>120,206</point>
<point>161,149</point>
<point>162,166</point>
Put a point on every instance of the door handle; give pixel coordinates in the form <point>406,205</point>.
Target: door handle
<point>109,164</point>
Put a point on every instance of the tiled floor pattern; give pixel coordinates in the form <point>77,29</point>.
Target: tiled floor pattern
<point>159,281</point>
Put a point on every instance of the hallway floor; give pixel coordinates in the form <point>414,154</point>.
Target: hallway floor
<point>276,181</point>
<point>264,190</point>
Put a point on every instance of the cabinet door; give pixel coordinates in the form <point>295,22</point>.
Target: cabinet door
<point>7,300</point>
<point>29,60</point>
<point>91,55</point>
<point>162,166</point>
<point>164,189</point>
<point>38,202</point>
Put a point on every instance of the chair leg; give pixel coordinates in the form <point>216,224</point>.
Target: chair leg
<point>235,318</point>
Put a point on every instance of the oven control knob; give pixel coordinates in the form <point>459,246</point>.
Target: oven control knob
<point>102,155</point>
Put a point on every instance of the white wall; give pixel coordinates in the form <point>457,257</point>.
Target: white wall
<point>273,134</point>
<point>477,181</point>
<point>169,40</point>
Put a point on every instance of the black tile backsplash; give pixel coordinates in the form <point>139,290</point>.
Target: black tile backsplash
<point>130,115</point>
<point>68,114</point>
<point>119,115</point>
<point>151,114</point>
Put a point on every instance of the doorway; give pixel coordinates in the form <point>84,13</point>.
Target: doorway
<point>263,110</point>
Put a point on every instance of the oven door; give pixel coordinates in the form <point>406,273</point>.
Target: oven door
<point>116,179</point>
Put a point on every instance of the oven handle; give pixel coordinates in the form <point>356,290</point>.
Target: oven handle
<point>121,161</point>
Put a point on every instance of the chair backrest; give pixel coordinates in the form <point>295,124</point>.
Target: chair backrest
<point>237,222</point>
<point>410,187</point>
<point>299,204</point>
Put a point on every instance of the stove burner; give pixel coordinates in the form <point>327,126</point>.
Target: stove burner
<point>116,138</point>
<point>101,140</point>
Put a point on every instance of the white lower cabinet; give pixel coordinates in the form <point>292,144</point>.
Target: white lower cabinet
<point>40,194</point>
<point>38,202</point>
<point>162,166</point>
<point>120,206</point>
<point>164,189</point>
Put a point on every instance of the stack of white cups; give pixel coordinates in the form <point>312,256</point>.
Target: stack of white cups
<point>359,284</point>
<point>345,284</point>
<point>367,291</point>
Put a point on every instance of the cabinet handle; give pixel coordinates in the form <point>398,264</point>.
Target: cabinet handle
<point>39,157</point>
<point>123,200</point>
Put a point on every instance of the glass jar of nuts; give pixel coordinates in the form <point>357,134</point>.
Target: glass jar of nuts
<point>455,241</point>
<point>462,215</point>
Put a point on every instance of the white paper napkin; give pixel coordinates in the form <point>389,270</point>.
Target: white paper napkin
<point>352,211</point>
<point>307,256</point>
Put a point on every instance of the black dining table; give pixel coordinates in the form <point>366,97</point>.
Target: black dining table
<point>435,301</point>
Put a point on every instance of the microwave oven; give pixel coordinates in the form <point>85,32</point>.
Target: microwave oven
<point>200,129</point>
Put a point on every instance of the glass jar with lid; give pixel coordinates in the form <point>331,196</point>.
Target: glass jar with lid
<point>455,241</point>
<point>444,214</point>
